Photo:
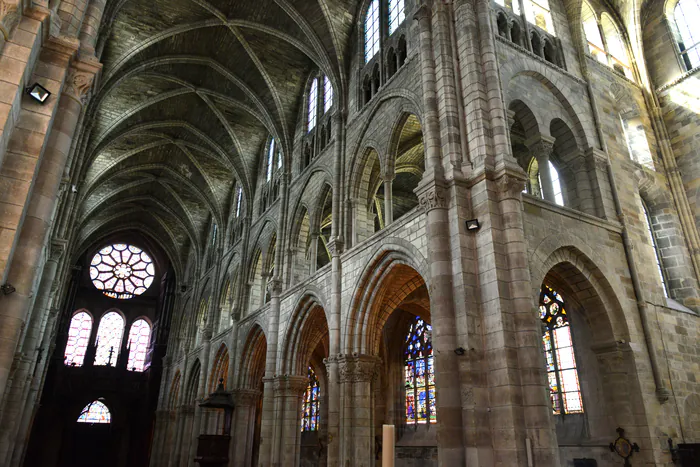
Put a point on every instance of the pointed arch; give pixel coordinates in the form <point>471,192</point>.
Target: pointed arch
<point>219,369</point>
<point>252,366</point>
<point>79,333</point>
<point>108,342</point>
<point>138,343</point>
<point>95,412</point>
<point>307,329</point>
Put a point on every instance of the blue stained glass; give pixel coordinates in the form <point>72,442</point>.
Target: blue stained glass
<point>420,374</point>
<point>310,411</point>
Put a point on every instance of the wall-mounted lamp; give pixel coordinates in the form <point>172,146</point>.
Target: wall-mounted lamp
<point>460,351</point>
<point>38,92</point>
<point>7,289</point>
<point>473,224</point>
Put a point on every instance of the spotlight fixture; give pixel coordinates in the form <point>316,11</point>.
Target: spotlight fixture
<point>460,350</point>
<point>38,92</point>
<point>473,224</point>
<point>7,289</point>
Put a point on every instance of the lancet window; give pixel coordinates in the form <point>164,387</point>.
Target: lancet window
<point>109,339</point>
<point>562,373</point>
<point>139,340</point>
<point>310,414</point>
<point>419,371</point>
<point>686,17</point>
<point>372,30</point>
<point>657,255</point>
<point>78,339</point>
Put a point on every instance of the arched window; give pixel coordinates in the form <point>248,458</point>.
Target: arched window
<point>313,104</point>
<point>239,197</point>
<point>617,51</point>
<point>372,30</point>
<point>121,271</point>
<point>109,339</point>
<point>139,339</point>
<point>271,157</point>
<point>686,14</point>
<point>95,412</point>
<point>513,5</point>
<point>327,94</point>
<point>78,338</point>
<point>420,374</point>
<point>592,32</point>
<point>556,185</point>
<point>310,415</point>
<point>562,374</point>
<point>538,13</point>
<point>397,14</point>
<point>657,256</point>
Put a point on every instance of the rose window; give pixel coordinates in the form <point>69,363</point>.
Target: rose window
<point>122,271</point>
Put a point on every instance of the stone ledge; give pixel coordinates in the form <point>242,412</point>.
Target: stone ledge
<point>572,213</point>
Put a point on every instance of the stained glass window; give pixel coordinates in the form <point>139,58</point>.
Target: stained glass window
<point>372,30</point>
<point>122,271</point>
<point>238,201</point>
<point>109,339</point>
<point>419,371</point>
<point>687,13</point>
<point>95,412</point>
<point>657,257</point>
<point>310,415</point>
<point>270,159</point>
<point>78,338</point>
<point>397,14</point>
<point>562,374</point>
<point>327,94</point>
<point>139,338</point>
<point>313,104</point>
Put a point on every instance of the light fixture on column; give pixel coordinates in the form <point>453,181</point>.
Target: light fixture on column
<point>473,224</point>
<point>38,92</point>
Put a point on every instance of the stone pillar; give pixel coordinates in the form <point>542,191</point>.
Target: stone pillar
<point>357,373</point>
<point>21,395</point>
<point>201,393</point>
<point>333,392</point>
<point>600,183</point>
<point>269,415</point>
<point>289,392</point>
<point>584,193</point>
<point>33,231</point>
<point>542,148</point>
<point>91,26</point>
<point>313,252</point>
<point>241,452</point>
<point>388,202</point>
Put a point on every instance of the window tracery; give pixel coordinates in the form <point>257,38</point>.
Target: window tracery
<point>270,159</point>
<point>311,412</point>
<point>95,412</point>
<point>372,30</point>
<point>313,104</point>
<point>109,339</point>
<point>419,374</point>
<point>397,14</point>
<point>327,94</point>
<point>78,339</point>
<point>122,271</point>
<point>562,372</point>
<point>685,15</point>
<point>139,340</point>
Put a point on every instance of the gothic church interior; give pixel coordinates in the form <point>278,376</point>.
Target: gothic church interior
<point>474,220</point>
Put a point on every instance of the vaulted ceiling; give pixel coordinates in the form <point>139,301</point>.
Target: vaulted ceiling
<point>189,93</point>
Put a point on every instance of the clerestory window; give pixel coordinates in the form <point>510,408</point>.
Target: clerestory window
<point>78,339</point>
<point>109,339</point>
<point>657,256</point>
<point>139,340</point>
<point>397,14</point>
<point>372,30</point>
<point>686,16</point>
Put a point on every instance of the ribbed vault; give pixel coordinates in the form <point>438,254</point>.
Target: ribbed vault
<point>189,94</point>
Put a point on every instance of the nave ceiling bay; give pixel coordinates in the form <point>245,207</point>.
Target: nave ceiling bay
<point>190,92</point>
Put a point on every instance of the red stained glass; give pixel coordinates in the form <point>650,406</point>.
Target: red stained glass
<point>562,373</point>
<point>420,374</point>
<point>78,338</point>
<point>310,409</point>
<point>95,412</point>
<point>139,339</point>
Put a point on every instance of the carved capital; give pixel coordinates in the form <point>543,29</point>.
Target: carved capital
<point>78,84</point>
<point>274,286</point>
<point>597,159</point>
<point>358,368</point>
<point>9,17</point>
<point>246,397</point>
<point>290,385</point>
<point>424,11</point>
<point>510,186</point>
<point>336,246</point>
<point>58,248</point>
<point>541,147</point>
<point>432,197</point>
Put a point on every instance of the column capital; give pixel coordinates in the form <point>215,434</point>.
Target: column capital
<point>79,80</point>
<point>431,195</point>
<point>274,286</point>
<point>541,146</point>
<point>511,184</point>
<point>336,246</point>
<point>57,249</point>
<point>424,11</point>
<point>597,158</point>
<point>290,384</point>
<point>246,397</point>
<point>358,368</point>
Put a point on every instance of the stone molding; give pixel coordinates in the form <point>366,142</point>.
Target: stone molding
<point>290,385</point>
<point>432,197</point>
<point>510,185</point>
